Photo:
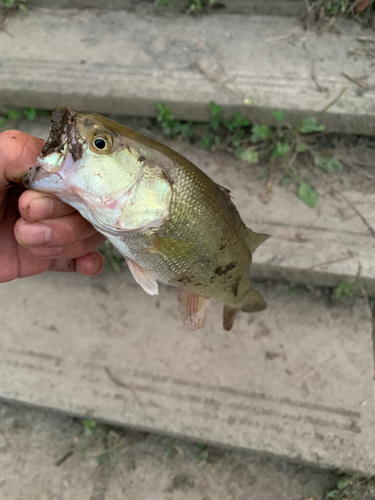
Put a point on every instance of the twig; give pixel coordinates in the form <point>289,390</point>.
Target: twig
<point>119,383</point>
<point>337,98</point>
<point>63,458</point>
<point>370,39</point>
<point>328,262</point>
<point>370,229</point>
<point>357,81</point>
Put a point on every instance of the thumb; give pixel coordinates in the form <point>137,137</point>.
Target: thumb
<point>18,152</point>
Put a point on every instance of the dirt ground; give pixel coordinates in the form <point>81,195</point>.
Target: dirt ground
<point>46,456</point>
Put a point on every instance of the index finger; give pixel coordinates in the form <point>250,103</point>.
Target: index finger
<point>18,152</point>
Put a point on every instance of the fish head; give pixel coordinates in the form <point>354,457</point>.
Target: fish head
<point>90,163</point>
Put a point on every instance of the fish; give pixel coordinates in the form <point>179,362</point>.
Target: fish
<point>171,222</point>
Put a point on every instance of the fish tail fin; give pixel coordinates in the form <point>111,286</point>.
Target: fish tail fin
<point>253,302</point>
<point>253,240</point>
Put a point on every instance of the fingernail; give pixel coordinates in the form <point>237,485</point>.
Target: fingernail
<point>47,252</point>
<point>41,208</point>
<point>34,234</point>
<point>95,265</point>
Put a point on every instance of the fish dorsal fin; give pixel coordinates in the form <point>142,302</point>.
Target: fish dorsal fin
<point>143,277</point>
<point>193,309</point>
<point>253,240</point>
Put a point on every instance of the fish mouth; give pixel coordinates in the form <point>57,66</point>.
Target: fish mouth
<point>61,145</point>
<point>63,120</point>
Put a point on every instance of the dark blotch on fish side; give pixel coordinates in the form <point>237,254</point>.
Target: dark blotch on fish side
<point>184,279</point>
<point>224,270</point>
<point>141,159</point>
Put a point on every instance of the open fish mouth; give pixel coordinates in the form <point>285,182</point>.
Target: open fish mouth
<point>62,146</point>
<point>63,120</point>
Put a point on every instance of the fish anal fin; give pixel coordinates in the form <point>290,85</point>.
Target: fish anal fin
<point>253,240</point>
<point>143,277</point>
<point>229,315</point>
<point>193,309</point>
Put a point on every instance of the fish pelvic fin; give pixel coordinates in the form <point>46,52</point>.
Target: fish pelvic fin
<point>143,277</point>
<point>253,240</point>
<point>193,309</point>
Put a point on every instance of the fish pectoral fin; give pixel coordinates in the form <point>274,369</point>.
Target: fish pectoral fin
<point>253,240</point>
<point>172,247</point>
<point>193,309</point>
<point>229,315</point>
<point>143,277</point>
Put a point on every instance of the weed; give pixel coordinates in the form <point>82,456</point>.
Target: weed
<point>113,259</point>
<point>328,11</point>
<point>194,6</point>
<point>28,113</point>
<point>202,452</point>
<point>353,488</point>
<point>14,4</point>
<point>89,427</point>
<point>344,289</point>
<point>279,144</point>
<point>172,127</point>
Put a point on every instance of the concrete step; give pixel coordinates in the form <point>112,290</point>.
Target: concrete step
<point>296,380</point>
<point>248,7</point>
<point>125,62</point>
<point>323,246</point>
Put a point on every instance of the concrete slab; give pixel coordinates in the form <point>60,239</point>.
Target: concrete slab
<point>125,62</point>
<point>138,466</point>
<point>294,381</point>
<point>321,246</point>
<point>249,7</point>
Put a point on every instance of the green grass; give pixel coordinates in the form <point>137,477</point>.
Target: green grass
<point>14,4</point>
<point>13,114</point>
<point>353,488</point>
<point>279,144</point>
<point>193,6</point>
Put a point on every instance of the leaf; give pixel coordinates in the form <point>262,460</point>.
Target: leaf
<point>248,155</point>
<point>309,125</point>
<point>307,194</point>
<point>280,149</point>
<point>30,113</point>
<point>3,121</point>
<point>101,458</point>
<point>215,109</point>
<point>342,483</point>
<point>301,147</point>
<point>261,131</point>
<point>279,115</point>
<point>13,113</point>
<point>327,162</point>
<point>89,427</point>
<point>207,140</point>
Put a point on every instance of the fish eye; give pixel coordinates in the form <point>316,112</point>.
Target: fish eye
<point>101,142</point>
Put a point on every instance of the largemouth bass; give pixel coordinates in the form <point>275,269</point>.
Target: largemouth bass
<point>172,223</point>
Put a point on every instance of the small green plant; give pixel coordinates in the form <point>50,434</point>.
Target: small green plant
<point>353,488</point>
<point>193,5</point>
<point>202,452</point>
<point>224,133</point>
<point>89,427</point>
<point>14,4</point>
<point>28,113</point>
<point>280,144</point>
<point>344,289</point>
<point>172,127</point>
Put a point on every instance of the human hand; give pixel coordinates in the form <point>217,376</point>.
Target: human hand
<point>49,234</point>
